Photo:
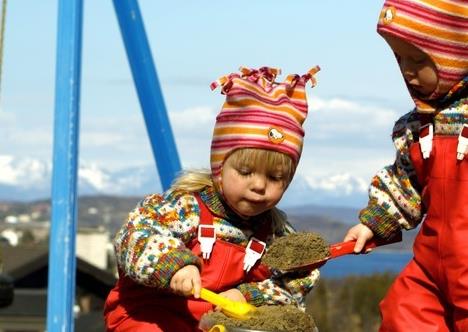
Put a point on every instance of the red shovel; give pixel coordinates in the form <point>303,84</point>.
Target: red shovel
<point>341,249</point>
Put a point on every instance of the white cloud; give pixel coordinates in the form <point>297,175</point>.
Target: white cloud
<point>343,182</point>
<point>193,120</point>
<point>94,175</point>
<point>336,116</point>
<point>24,170</point>
<point>8,174</point>
<point>341,136</point>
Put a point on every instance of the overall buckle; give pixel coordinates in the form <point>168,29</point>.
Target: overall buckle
<point>207,238</point>
<point>253,252</point>
<point>462,147</point>
<point>426,133</point>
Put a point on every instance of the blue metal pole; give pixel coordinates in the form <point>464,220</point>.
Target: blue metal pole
<point>148,89</point>
<point>62,261</point>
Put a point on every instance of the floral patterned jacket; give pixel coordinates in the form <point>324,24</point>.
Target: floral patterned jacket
<point>152,245</point>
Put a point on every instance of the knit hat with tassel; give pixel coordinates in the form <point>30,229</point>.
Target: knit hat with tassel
<point>260,113</point>
<point>440,29</point>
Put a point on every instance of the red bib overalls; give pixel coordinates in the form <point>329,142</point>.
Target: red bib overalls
<point>134,307</point>
<point>431,293</point>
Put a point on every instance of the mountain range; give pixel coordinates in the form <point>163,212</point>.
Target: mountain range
<point>329,210</point>
<point>26,179</point>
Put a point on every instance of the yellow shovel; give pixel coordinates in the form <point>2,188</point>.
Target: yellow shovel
<point>235,309</point>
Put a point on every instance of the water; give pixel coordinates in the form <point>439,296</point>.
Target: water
<point>374,262</point>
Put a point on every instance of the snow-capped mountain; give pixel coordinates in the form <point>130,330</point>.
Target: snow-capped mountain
<point>25,179</point>
<point>336,190</point>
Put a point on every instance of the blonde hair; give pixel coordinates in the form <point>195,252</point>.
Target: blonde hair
<point>269,159</point>
<point>194,180</point>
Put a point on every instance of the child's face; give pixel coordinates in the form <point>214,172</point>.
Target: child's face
<point>417,67</point>
<point>252,189</point>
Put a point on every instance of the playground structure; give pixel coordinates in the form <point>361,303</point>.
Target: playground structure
<point>62,258</point>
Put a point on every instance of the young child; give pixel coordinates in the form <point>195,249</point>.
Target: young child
<point>210,229</point>
<point>429,179</point>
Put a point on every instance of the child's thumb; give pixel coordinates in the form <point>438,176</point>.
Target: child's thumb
<point>196,287</point>
<point>360,243</point>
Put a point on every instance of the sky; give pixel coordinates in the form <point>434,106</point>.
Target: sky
<point>359,96</point>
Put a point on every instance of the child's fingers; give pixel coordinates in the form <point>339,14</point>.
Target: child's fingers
<point>186,287</point>
<point>196,287</point>
<point>360,242</point>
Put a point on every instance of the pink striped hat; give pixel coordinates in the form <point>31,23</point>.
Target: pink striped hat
<point>437,27</point>
<point>260,113</point>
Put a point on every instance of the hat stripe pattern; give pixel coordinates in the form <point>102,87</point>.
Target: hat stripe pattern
<point>234,132</point>
<point>258,121</point>
<point>251,104</point>
<point>260,113</point>
<point>254,142</point>
<point>437,27</point>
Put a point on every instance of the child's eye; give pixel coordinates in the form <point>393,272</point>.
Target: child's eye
<point>276,177</point>
<point>418,61</point>
<point>244,171</point>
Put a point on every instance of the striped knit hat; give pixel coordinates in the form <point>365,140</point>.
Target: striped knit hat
<point>260,113</point>
<point>437,27</point>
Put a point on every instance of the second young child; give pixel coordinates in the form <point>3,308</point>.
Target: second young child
<point>428,183</point>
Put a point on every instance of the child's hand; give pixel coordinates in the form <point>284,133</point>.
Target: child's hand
<point>232,294</point>
<point>361,233</point>
<point>187,281</point>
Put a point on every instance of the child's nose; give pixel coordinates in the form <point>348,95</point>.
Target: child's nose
<point>259,183</point>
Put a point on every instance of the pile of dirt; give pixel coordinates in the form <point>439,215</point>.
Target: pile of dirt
<point>285,318</point>
<point>296,249</point>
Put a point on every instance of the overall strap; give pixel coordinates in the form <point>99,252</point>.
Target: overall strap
<point>206,230</point>
<point>206,217</point>
<point>426,133</point>
<point>207,237</point>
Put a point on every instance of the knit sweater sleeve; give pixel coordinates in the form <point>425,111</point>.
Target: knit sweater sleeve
<point>285,289</point>
<point>150,247</point>
<point>394,198</point>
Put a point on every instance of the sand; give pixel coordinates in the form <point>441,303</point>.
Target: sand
<point>296,249</point>
<point>279,318</point>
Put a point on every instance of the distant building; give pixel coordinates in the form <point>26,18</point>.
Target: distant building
<point>11,219</point>
<point>11,236</point>
<point>28,266</point>
<point>24,218</point>
<point>92,246</point>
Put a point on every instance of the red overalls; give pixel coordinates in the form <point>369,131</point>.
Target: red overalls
<point>134,307</point>
<point>431,293</point>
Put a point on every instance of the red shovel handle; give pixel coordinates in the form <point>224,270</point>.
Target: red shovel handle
<point>340,249</point>
<point>345,248</point>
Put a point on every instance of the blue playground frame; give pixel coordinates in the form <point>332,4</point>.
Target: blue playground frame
<point>62,258</point>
